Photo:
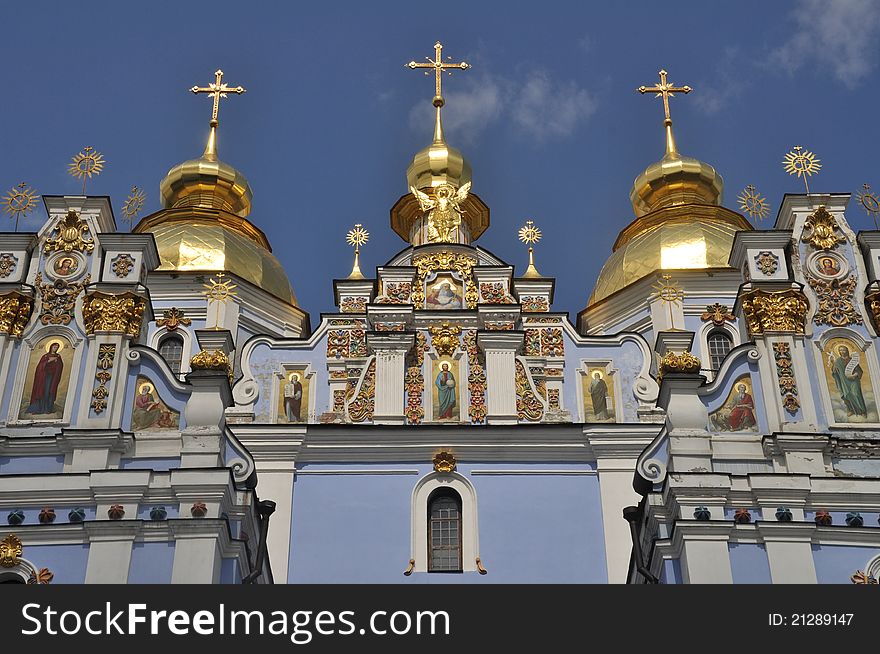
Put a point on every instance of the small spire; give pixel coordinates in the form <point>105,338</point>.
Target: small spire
<point>438,121</point>
<point>210,152</point>
<point>529,233</point>
<point>531,271</point>
<point>670,139</point>
<point>356,238</point>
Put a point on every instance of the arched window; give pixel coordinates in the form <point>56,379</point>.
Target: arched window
<point>720,343</point>
<point>171,349</point>
<point>444,531</point>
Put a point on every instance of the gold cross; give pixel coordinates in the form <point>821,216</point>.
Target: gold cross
<point>217,90</point>
<point>666,90</point>
<point>439,67</point>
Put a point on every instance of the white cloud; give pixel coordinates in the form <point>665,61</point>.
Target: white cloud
<point>837,34</point>
<point>547,109</point>
<point>727,84</point>
<point>538,105</point>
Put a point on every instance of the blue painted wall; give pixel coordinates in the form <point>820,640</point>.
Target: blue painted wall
<point>163,464</point>
<point>67,562</point>
<point>749,563</point>
<point>11,465</point>
<point>151,563</point>
<point>229,572</point>
<point>836,563</point>
<point>356,528</point>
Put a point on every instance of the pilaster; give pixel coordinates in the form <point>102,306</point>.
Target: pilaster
<point>500,348</point>
<point>390,349</point>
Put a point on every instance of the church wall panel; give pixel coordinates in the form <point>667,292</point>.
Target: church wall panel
<point>151,563</point>
<point>836,563</point>
<point>67,562</point>
<point>749,563</point>
<point>11,465</point>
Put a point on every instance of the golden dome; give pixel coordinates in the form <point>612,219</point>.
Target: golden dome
<point>196,238</point>
<point>206,182</point>
<point>693,236</point>
<point>675,179</point>
<point>438,163</point>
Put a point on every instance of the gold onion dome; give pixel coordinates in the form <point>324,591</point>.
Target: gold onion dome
<point>680,223</point>
<point>439,163</point>
<point>203,226</point>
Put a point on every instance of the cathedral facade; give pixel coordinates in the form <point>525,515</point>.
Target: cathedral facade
<point>169,414</point>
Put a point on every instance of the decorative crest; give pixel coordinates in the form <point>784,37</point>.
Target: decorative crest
<point>172,319</point>
<point>869,202</point>
<point>71,233</point>
<point>753,203</point>
<point>444,462</point>
<point>802,163</point>
<point>718,314</point>
<point>219,290</point>
<point>666,90</point>
<point>445,338</point>
<point>356,238</point>
<point>133,205</point>
<point>530,234</point>
<point>10,550</point>
<point>820,230</point>
<point>219,89</point>
<point>85,164</point>
<point>19,202</point>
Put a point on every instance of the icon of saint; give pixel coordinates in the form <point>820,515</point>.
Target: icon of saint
<point>445,383</point>
<point>599,396</point>
<point>847,374</point>
<point>293,392</point>
<point>47,376</point>
<point>742,416</point>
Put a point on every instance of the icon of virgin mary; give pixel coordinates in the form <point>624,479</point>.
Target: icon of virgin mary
<point>47,376</point>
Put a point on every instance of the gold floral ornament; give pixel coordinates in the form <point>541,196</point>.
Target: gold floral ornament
<point>212,360</point>
<point>445,338</point>
<point>670,292</point>
<point>172,319</point>
<point>85,164</point>
<point>869,202</point>
<point>71,233</point>
<point>821,230</point>
<point>802,163</point>
<point>530,234</point>
<point>444,462</point>
<point>356,238</point>
<point>685,363</point>
<point>219,290</point>
<point>133,204</point>
<point>751,202</point>
<point>19,202</point>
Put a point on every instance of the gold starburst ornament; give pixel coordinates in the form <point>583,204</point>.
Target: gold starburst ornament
<point>803,163</point>
<point>219,290</point>
<point>669,292</point>
<point>19,202</point>
<point>752,203</point>
<point>356,238</point>
<point>869,202</point>
<point>530,234</point>
<point>85,164</point>
<point>133,204</point>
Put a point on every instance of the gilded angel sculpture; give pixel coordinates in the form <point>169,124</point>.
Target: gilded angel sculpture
<point>444,210</point>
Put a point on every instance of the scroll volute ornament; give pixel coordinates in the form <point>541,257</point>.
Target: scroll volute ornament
<point>69,235</point>
<point>779,311</point>
<point>15,313</point>
<point>821,230</point>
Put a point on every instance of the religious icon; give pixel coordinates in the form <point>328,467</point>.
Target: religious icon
<point>65,266</point>
<point>738,411</point>
<point>293,394</point>
<point>445,395</point>
<point>828,266</point>
<point>48,375</point>
<point>849,383</point>
<point>150,413</point>
<point>598,397</point>
<point>444,293</point>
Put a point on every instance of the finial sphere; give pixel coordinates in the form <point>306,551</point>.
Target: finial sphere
<point>439,101</point>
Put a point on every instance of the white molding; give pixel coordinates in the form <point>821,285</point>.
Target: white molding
<point>355,472</point>
<point>562,473</point>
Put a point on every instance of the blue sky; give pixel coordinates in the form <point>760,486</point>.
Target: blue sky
<point>548,116</point>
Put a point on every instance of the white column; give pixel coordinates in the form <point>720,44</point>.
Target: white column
<point>109,551</point>
<point>706,560</point>
<point>197,556</point>
<point>390,349</point>
<point>276,483</point>
<point>501,348</point>
<point>790,552</point>
<point>616,492</point>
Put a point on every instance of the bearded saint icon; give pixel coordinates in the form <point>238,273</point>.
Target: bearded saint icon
<point>444,210</point>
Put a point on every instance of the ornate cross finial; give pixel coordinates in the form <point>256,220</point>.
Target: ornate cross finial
<point>217,90</point>
<point>803,163</point>
<point>439,66</point>
<point>530,234</point>
<point>670,292</point>
<point>753,203</point>
<point>869,202</point>
<point>219,290</point>
<point>19,202</point>
<point>666,90</point>
<point>85,164</point>
<point>133,204</point>
<point>356,238</point>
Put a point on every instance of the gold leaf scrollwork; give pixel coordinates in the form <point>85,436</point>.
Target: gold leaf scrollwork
<point>781,311</point>
<point>212,360</point>
<point>172,319</point>
<point>684,362</point>
<point>57,299</point>
<point>10,550</point>
<point>15,312</point>
<point>70,233</point>
<point>718,314</point>
<point>427,263</point>
<point>445,338</point>
<point>360,409</point>
<point>528,406</point>
<point>836,304</point>
<point>114,313</point>
<point>106,354</point>
<point>785,377</point>
<point>415,382</point>
<point>821,230</point>
<point>444,462</point>
<point>476,379</point>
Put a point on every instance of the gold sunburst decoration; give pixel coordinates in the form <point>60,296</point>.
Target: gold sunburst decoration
<point>869,202</point>
<point>530,234</point>
<point>19,202</point>
<point>85,164</point>
<point>133,204</point>
<point>356,238</point>
<point>669,292</point>
<point>751,202</point>
<point>803,163</point>
<point>219,290</point>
